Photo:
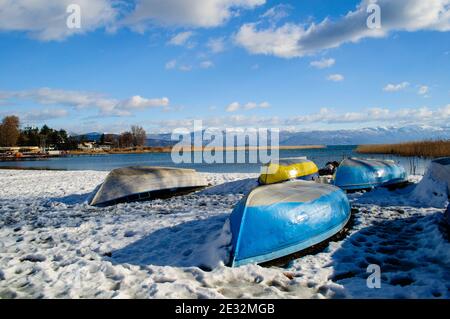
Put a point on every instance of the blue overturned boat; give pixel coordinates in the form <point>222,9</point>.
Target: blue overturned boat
<point>356,174</point>
<point>277,220</point>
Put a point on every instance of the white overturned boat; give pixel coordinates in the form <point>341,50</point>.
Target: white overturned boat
<point>144,183</point>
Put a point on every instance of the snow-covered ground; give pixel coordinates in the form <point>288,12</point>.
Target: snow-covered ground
<point>53,244</point>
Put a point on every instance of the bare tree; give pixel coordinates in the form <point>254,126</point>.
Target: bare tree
<point>112,139</point>
<point>126,139</point>
<point>9,131</point>
<point>139,135</point>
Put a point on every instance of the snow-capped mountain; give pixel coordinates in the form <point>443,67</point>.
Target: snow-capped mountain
<point>378,135</point>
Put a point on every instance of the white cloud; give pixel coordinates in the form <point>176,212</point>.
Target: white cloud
<point>138,102</point>
<point>264,105</point>
<point>250,105</point>
<point>216,45</point>
<point>281,42</point>
<point>277,12</point>
<point>82,100</point>
<point>45,114</point>
<point>235,106</point>
<point>171,64</point>
<point>296,40</point>
<point>323,64</point>
<point>423,90</point>
<point>185,68</point>
<point>405,116</point>
<point>195,13</point>
<point>46,20</point>
<point>206,64</point>
<point>335,77</point>
<point>181,38</point>
<point>395,87</point>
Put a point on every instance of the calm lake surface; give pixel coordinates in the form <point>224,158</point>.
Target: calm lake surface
<point>109,162</point>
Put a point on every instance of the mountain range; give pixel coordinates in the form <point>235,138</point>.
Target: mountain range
<point>377,135</point>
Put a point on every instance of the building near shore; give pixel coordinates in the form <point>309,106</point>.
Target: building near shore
<point>20,149</point>
<point>86,146</point>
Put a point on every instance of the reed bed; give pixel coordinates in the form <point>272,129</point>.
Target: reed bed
<point>427,149</point>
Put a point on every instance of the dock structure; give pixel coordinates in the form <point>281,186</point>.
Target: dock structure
<point>23,153</point>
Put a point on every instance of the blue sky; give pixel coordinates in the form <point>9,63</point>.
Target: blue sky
<point>306,64</point>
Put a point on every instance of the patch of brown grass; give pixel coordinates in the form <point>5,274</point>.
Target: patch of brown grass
<point>428,148</point>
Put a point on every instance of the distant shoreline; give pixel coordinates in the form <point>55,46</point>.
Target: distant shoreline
<point>146,150</point>
<point>426,149</point>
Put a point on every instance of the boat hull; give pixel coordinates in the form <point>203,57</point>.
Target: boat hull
<point>278,220</point>
<point>355,174</point>
<point>288,169</point>
<point>145,183</point>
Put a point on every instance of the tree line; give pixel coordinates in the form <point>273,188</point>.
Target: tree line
<point>12,135</point>
<point>136,137</point>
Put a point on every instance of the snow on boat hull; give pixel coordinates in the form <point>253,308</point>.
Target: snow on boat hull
<point>434,188</point>
<point>354,174</point>
<point>144,183</point>
<point>439,170</point>
<point>275,221</point>
<point>447,216</point>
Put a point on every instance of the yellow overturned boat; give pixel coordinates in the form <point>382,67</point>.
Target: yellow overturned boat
<point>288,169</point>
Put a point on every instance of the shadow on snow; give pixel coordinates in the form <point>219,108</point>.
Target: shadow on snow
<point>197,243</point>
<point>411,253</point>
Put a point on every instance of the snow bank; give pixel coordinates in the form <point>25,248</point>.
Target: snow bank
<point>54,245</point>
<point>433,189</point>
<point>447,216</point>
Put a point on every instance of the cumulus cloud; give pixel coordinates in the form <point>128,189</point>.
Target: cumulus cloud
<point>195,13</point>
<point>395,87</point>
<point>323,64</point>
<point>405,116</point>
<point>82,100</point>
<point>281,42</point>
<point>206,64</point>
<point>181,38</point>
<point>216,45</point>
<point>171,64</point>
<point>277,12</point>
<point>423,90</point>
<point>45,114</point>
<point>335,77</point>
<point>235,106</point>
<point>47,20</point>
<point>139,102</point>
<point>296,40</point>
<point>185,68</point>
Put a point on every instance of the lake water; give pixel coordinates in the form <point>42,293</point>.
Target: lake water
<point>109,162</point>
